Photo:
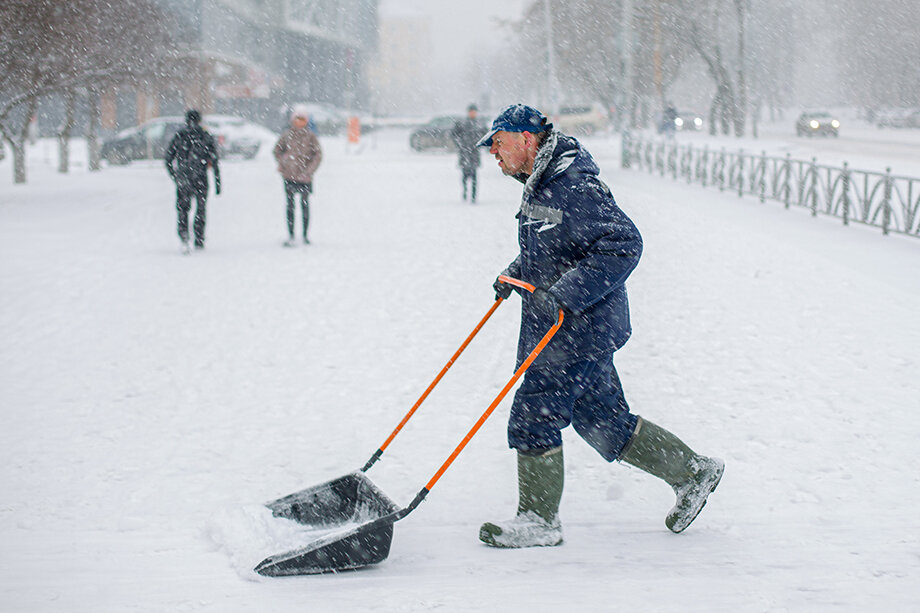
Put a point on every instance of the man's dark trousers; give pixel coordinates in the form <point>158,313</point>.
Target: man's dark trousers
<point>183,207</point>
<point>469,174</point>
<point>290,189</point>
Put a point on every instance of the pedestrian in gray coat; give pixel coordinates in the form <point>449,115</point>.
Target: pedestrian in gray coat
<point>465,134</point>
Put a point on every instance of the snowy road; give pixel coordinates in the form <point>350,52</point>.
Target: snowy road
<point>151,401</point>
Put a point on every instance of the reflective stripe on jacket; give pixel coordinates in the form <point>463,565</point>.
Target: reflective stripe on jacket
<point>576,243</point>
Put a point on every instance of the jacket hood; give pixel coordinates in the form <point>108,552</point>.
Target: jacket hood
<point>559,154</point>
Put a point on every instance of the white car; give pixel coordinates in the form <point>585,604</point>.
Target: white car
<point>581,120</point>
<point>234,135</point>
<point>325,120</point>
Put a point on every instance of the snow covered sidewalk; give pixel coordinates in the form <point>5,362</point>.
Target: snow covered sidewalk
<point>150,399</point>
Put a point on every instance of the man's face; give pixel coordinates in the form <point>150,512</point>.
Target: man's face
<point>512,150</point>
<point>299,122</point>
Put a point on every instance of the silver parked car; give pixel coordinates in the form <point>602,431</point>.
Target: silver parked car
<point>233,135</point>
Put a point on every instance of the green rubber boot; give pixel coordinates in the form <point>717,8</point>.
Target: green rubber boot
<point>693,477</point>
<point>540,481</point>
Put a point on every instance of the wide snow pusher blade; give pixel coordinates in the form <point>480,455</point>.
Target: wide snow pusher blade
<point>354,520</point>
<point>352,516</point>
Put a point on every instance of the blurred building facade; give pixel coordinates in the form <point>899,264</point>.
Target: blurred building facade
<point>401,73</point>
<point>254,58</point>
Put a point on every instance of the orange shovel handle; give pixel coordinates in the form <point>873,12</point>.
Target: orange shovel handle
<point>501,395</point>
<point>440,375</point>
<point>516,282</point>
<point>517,375</point>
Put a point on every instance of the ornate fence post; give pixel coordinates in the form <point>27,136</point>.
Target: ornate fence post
<point>788,167</point>
<point>813,190</point>
<point>704,165</point>
<point>660,159</point>
<point>845,183</point>
<point>673,152</point>
<point>886,203</point>
<point>763,177</point>
<point>740,166</point>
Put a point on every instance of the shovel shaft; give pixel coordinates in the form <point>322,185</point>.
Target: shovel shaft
<point>501,395</point>
<point>437,379</point>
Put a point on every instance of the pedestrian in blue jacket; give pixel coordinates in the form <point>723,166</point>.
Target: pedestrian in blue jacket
<point>577,247</point>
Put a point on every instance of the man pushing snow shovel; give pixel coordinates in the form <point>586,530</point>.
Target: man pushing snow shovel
<point>577,248</point>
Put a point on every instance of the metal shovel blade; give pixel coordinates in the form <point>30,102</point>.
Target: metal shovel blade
<point>360,519</point>
<point>348,549</point>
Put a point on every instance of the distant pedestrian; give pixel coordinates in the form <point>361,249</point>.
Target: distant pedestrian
<point>466,133</point>
<point>189,155</point>
<point>668,121</point>
<point>298,154</point>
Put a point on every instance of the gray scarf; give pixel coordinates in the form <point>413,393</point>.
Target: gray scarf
<point>540,164</point>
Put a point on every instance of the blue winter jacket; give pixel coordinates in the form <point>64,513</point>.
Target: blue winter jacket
<point>577,244</point>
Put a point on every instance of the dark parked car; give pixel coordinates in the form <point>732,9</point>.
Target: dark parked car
<point>810,123</point>
<point>144,142</point>
<point>436,134</point>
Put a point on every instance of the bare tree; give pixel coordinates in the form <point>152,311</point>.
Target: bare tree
<point>881,45</point>
<point>774,48</point>
<point>589,47</point>
<point>31,65</point>
<point>711,34</point>
<point>59,47</point>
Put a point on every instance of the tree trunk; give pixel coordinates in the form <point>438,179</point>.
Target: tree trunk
<point>714,114</point>
<point>64,134</point>
<point>18,142</point>
<point>19,160</point>
<point>755,117</point>
<point>741,100</point>
<point>92,138</point>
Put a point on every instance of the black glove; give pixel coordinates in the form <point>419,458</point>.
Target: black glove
<point>502,290</point>
<point>217,185</point>
<point>547,302</point>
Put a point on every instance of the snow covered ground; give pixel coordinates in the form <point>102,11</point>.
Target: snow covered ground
<point>152,401</point>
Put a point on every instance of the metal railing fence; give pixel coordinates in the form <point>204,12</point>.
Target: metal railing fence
<point>883,200</point>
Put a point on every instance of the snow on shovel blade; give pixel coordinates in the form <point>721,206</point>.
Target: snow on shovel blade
<point>359,515</point>
<point>347,549</point>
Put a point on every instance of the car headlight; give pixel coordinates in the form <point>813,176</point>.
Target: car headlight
<point>835,123</point>
<point>698,122</point>
<point>813,124</point>
<point>679,122</point>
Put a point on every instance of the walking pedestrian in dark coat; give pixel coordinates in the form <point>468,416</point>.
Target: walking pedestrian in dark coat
<point>466,133</point>
<point>577,247</point>
<point>298,155</point>
<point>189,155</point>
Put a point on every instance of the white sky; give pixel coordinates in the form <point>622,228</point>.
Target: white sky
<point>459,27</point>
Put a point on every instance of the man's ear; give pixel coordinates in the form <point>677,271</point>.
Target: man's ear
<point>530,141</point>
